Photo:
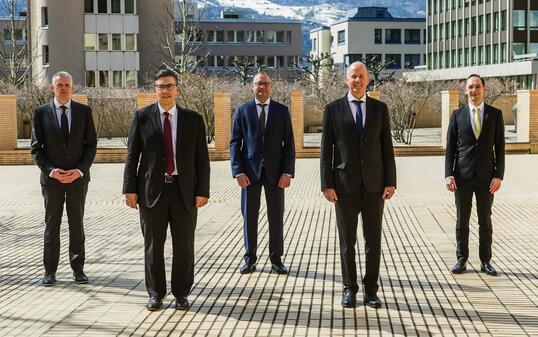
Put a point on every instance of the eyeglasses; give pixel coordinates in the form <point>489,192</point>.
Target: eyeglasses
<point>261,84</point>
<point>165,86</point>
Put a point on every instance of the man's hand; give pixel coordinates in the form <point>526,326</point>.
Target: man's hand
<point>388,192</point>
<point>451,184</point>
<point>495,185</point>
<point>284,181</point>
<point>200,201</point>
<point>242,180</point>
<point>131,200</point>
<point>66,177</point>
<point>330,195</point>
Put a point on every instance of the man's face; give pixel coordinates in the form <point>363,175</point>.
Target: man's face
<point>475,90</point>
<point>357,80</point>
<point>166,90</point>
<point>262,87</point>
<point>62,88</point>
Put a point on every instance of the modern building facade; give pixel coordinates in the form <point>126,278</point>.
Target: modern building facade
<point>271,44</point>
<point>494,38</point>
<point>370,32</point>
<point>13,35</point>
<point>97,41</point>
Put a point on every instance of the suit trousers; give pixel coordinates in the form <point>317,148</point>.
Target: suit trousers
<point>250,207</point>
<point>348,207</point>
<point>169,209</point>
<point>55,195</point>
<point>464,202</point>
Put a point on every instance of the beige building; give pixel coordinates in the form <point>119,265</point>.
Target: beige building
<point>494,38</point>
<point>13,35</point>
<point>97,41</point>
<point>372,32</point>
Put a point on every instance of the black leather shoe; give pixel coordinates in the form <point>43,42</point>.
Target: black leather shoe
<point>280,268</point>
<point>80,277</point>
<point>49,279</point>
<point>488,269</point>
<point>247,268</point>
<point>372,301</point>
<point>182,303</point>
<point>154,303</point>
<point>349,300</point>
<point>459,267</point>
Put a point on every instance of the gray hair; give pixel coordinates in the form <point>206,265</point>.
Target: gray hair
<point>260,73</point>
<point>354,65</point>
<point>62,73</point>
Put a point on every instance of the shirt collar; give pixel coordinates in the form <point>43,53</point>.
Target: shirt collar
<point>352,98</point>
<point>266,102</point>
<point>172,111</point>
<point>480,106</point>
<point>57,104</point>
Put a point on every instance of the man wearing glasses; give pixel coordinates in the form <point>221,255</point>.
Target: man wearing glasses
<point>262,153</point>
<point>167,175</point>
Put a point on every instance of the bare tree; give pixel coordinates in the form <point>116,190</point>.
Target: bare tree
<point>179,45</point>
<point>15,55</point>
<point>315,69</point>
<point>243,69</point>
<point>377,69</point>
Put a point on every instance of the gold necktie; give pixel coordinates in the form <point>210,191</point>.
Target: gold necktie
<point>477,126</point>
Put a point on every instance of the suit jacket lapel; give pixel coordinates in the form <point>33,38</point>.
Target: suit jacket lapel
<point>156,119</point>
<point>180,124</point>
<point>467,120</point>
<point>485,120</point>
<point>52,115</point>
<point>348,114</point>
<point>270,111</point>
<point>368,115</point>
<point>252,117</point>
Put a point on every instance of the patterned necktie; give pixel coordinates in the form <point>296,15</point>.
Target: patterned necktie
<point>358,119</point>
<point>262,117</point>
<point>477,126</point>
<point>64,125</point>
<point>168,145</point>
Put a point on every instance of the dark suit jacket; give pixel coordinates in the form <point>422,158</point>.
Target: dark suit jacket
<point>346,160</point>
<point>248,146</point>
<point>467,157</point>
<point>48,147</point>
<point>146,146</point>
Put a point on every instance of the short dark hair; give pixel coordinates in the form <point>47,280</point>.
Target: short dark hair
<point>476,75</point>
<point>165,73</point>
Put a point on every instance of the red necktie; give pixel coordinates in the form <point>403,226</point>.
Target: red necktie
<point>168,145</point>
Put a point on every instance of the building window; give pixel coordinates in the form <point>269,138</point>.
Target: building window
<point>533,48</point>
<point>239,36</point>
<point>270,61</point>
<point>453,63</point>
<point>466,27</point>
<point>460,27</point>
<point>473,25</point>
<point>130,42</point>
<point>292,62</point>
<point>533,20</point>
<point>467,57</point>
<point>90,78</point>
<point>378,38</point>
<point>116,41</point>
<point>231,61</point>
<point>116,6</point>
<point>424,36</point>
<point>518,48</point>
<point>504,52</point>
<point>453,31</point>
<point>518,19</point>
<point>341,37</point>
<point>254,36</point>
<point>369,58</point>
<point>288,37</point>
<point>496,22</point>
<point>488,54</point>
<point>480,24</point>
<point>215,36</point>
<point>495,53</point>
<point>280,61</point>
<point>90,41</point>
<point>314,43</point>
<point>117,79</point>
<point>411,61</point>
<point>44,16</point>
<point>280,36</point>
<point>473,56</point>
<point>230,36</point>
<point>394,61</point>
<point>393,36</point>
<point>460,57</point>
<point>102,6</point>
<point>18,35</point>
<point>103,78</point>
<point>45,53</point>
<point>103,41</point>
<point>129,6</point>
<point>88,9</point>
<point>130,79</point>
<point>488,23</point>
<point>429,34</point>
<point>503,20</point>
<point>412,36</point>
<point>481,55</point>
<point>259,60</point>
<point>350,58</point>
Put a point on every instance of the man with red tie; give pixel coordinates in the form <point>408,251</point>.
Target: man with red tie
<point>167,175</point>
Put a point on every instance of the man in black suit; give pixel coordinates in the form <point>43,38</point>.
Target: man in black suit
<point>63,145</point>
<point>167,175</point>
<point>474,163</point>
<point>262,153</point>
<point>358,173</point>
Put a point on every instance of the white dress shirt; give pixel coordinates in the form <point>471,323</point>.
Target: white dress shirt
<point>354,109</point>
<point>173,126</point>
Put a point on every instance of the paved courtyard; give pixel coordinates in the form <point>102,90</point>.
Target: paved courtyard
<point>420,295</point>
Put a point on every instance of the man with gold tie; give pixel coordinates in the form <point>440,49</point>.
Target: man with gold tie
<point>474,164</point>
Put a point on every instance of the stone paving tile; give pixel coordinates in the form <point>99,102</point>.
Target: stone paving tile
<point>421,297</point>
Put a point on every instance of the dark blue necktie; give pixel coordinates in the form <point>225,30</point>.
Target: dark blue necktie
<point>359,117</point>
<point>64,125</point>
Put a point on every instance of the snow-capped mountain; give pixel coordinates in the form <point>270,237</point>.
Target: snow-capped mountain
<point>312,13</point>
